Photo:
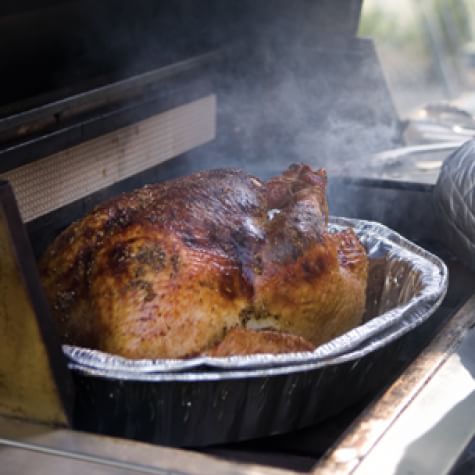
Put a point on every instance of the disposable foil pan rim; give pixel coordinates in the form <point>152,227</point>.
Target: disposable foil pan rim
<point>355,343</point>
<point>222,374</point>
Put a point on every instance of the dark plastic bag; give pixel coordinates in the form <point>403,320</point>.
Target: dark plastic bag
<point>454,200</point>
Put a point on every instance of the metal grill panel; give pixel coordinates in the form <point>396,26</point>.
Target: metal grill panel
<point>71,174</point>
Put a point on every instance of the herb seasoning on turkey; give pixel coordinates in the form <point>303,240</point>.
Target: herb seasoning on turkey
<point>215,263</point>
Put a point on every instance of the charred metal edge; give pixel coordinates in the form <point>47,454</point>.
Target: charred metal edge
<point>70,121</point>
<point>103,95</point>
<point>26,265</point>
<point>398,205</point>
<point>382,183</point>
<point>377,420</point>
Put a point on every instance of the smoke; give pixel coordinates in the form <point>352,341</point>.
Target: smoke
<point>294,83</point>
<point>323,102</point>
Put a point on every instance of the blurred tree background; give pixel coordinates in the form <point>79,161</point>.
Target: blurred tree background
<point>425,46</point>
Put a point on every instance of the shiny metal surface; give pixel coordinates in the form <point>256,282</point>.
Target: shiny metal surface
<point>425,419</point>
<point>27,448</point>
<point>397,153</point>
<point>439,422</point>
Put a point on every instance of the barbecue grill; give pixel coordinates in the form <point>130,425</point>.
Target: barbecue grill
<point>103,97</point>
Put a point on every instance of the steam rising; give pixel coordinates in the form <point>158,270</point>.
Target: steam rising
<point>295,84</point>
<point>325,105</point>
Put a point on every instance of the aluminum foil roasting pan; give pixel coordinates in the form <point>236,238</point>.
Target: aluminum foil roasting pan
<point>206,400</point>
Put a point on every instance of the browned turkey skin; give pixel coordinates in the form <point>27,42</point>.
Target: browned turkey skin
<point>207,263</point>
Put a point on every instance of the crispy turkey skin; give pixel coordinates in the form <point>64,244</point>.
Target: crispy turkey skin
<point>168,270</point>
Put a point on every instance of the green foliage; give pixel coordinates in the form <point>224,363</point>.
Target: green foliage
<point>406,27</point>
<point>453,20</point>
<point>392,30</point>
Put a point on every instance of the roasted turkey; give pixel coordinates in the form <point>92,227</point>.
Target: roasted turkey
<point>215,263</point>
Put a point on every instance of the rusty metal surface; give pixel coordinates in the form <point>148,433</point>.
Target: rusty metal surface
<point>34,382</point>
<point>367,431</point>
